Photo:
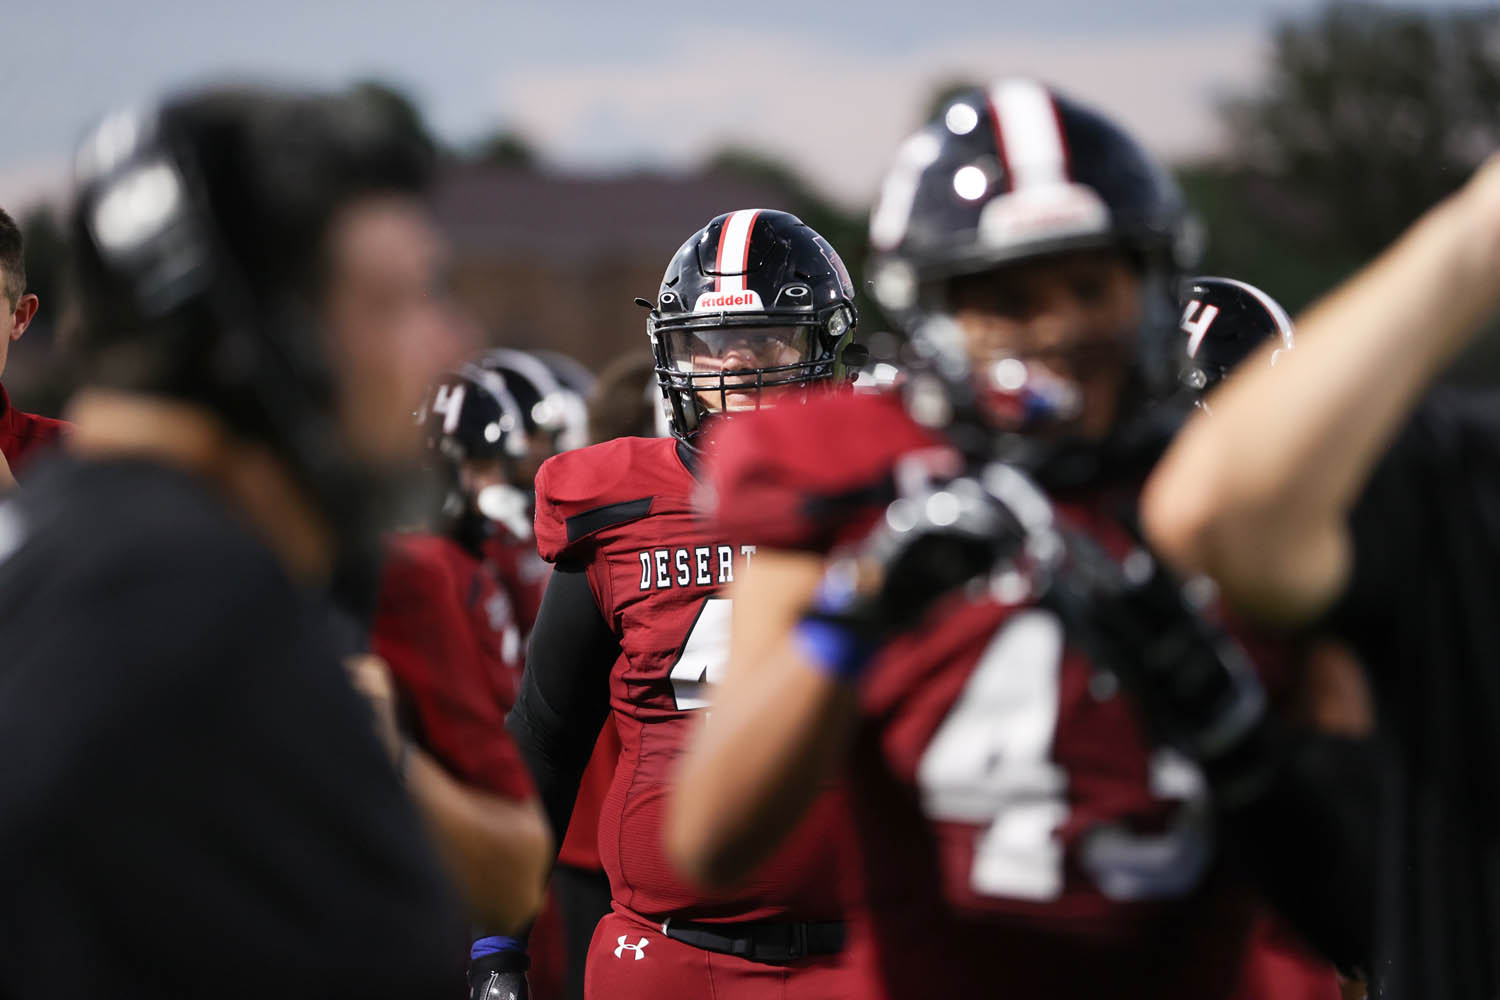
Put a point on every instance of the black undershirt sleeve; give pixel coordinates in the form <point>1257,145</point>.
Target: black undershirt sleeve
<point>564,697</point>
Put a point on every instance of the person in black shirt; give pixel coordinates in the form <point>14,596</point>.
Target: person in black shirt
<point>1333,496</point>
<point>194,800</point>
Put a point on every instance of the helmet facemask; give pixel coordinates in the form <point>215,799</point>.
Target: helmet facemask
<point>742,366</point>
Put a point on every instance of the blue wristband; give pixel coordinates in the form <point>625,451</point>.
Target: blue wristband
<point>496,943</point>
<point>834,649</point>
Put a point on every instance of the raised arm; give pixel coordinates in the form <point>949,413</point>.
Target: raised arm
<point>779,729</point>
<point>1258,494</point>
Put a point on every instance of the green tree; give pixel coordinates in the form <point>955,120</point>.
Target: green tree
<point>400,106</point>
<point>505,149</point>
<point>1369,115</point>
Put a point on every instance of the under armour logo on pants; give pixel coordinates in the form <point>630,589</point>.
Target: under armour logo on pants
<point>639,948</point>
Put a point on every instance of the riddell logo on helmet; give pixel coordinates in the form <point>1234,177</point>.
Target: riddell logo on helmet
<point>728,301</point>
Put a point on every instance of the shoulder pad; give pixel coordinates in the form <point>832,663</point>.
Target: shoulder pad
<point>584,491</point>
<point>802,477</point>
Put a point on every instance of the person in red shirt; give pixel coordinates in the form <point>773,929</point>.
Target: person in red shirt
<point>22,435</point>
<point>448,635</point>
<point>754,308</point>
<point>1022,832</point>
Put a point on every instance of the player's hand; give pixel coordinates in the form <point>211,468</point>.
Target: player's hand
<point>1194,684</point>
<point>7,478</point>
<point>372,678</point>
<point>939,535</point>
<point>500,975</point>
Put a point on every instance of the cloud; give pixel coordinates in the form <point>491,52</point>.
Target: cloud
<point>838,113</point>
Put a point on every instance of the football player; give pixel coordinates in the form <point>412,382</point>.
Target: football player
<point>449,637</point>
<point>1019,834</point>
<point>549,391</point>
<point>753,309</point>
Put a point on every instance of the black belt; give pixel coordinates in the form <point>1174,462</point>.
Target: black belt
<point>761,941</point>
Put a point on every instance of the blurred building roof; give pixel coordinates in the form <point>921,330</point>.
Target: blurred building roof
<point>555,260</point>
<point>490,208</point>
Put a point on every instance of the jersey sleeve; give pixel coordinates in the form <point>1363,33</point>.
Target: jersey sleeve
<point>810,478</point>
<point>582,492</point>
<point>423,631</point>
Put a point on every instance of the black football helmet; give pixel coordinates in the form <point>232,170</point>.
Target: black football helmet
<point>1224,321</point>
<point>753,277</point>
<point>470,416</point>
<point>553,411</point>
<point>1012,173</point>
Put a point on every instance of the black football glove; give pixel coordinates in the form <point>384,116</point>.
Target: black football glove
<point>939,535</point>
<point>1193,683</point>
<point>500,975</point>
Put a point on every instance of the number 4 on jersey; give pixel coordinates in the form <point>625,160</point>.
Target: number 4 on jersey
<point>704,655</point>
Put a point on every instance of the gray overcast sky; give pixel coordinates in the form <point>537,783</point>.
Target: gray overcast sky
<point>601,85</point>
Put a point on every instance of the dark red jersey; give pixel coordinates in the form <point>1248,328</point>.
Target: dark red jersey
<point>23,436</point>
<point>624,509</point>
<point>521,571</point>
<point>441,625</point>
<point>1018,834</point>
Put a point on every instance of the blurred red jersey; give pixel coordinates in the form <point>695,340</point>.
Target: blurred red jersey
<point>523,575</point>
<point>441,624</point>
<point>521,571</point>
<point>624,510</point>
<point>1018,835</point>
<point>23,436</point>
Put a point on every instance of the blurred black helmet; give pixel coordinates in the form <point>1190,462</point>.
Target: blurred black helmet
<point>470,416</point>
<point>1013,173</point>
<point>754,273</point>
<point>1224,321</point>
<point>198,237</point>
<point>552,410</point>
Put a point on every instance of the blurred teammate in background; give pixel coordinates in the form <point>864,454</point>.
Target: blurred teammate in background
<point>1224,322</point>
<point>205,806</point>
<point>1336,498</point>
<point>1020,834</point>
<point>448,635</point>
<point>755,309</point>
<point>550,391</point>
<point>22,435</point>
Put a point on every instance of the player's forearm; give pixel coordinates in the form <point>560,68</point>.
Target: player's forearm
<point>497,851</point>
<point>765,753</point>
<point>1257,493</point>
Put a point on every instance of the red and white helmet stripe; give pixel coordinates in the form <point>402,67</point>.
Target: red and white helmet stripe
<point>1028,134</point>
<point>734,250</point>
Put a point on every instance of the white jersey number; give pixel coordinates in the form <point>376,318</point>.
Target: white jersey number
<point>990,762</point>
<point>704,655</point>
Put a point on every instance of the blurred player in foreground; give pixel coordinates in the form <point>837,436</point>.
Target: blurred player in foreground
<point>22,435</point>
<point>754,310</point>
<point>204,806</point>
<point>1020,833</point>
<point>1336,498</point>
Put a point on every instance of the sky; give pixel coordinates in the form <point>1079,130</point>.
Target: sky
<point>609,86</point>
